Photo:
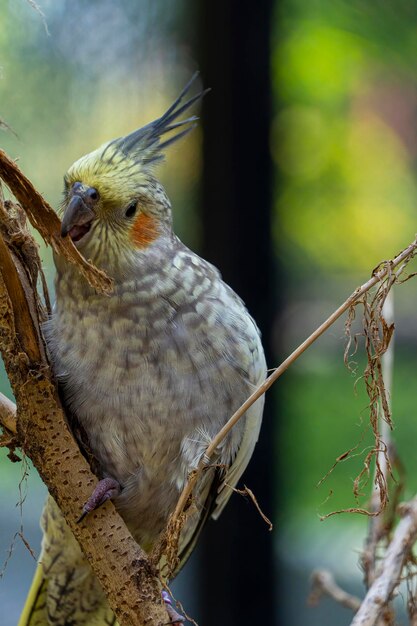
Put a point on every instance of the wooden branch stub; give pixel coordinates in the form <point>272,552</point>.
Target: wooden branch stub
<point>8,414</point>
<point>8,439</point>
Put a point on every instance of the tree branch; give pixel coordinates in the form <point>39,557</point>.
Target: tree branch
<point>122,567</point>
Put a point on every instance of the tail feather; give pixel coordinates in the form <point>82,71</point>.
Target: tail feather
<point>34,611</point>
<point>64,590</point>
<point>37,611</point>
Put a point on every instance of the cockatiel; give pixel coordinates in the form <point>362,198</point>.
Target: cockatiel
<point>150,373</point>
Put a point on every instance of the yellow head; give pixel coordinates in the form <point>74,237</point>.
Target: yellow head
<point>112,202</point>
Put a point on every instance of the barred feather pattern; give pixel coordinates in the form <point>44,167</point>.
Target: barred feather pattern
<point>153,372</point>
<point>65,591</point>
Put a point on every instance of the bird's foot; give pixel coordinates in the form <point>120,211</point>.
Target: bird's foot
<point>106,489</point>
<point>175,618</point>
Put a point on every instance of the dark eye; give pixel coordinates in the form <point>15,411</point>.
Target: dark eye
<point>131,209</point>
<point>92,193</point>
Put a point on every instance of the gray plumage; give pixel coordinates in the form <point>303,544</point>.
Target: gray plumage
<point>155,370</point>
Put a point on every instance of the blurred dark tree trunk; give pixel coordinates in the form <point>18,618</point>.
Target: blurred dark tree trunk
<point>238,584</point>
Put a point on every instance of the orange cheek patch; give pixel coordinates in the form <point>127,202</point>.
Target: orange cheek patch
<point>144,230</point>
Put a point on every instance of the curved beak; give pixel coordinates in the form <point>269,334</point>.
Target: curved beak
<point>79,213</point>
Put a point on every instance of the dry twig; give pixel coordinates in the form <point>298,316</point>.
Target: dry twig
<point>248,493</point>
<point>323,583</point>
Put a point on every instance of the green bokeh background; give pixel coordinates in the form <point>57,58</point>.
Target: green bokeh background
<point>344,145</point>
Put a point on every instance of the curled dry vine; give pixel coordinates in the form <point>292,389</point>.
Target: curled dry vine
<point>377,333</point>
<point>383,569</point>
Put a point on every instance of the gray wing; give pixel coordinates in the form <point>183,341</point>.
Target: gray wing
<point>217,485</point>
<point>253,362</point>
<point>238,466</point>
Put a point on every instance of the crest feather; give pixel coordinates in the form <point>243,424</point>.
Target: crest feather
<point>145,144</point>
<point>122,163</point>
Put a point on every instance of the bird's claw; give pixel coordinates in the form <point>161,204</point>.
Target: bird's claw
<point>106,489</point>
<point>174,617</point>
